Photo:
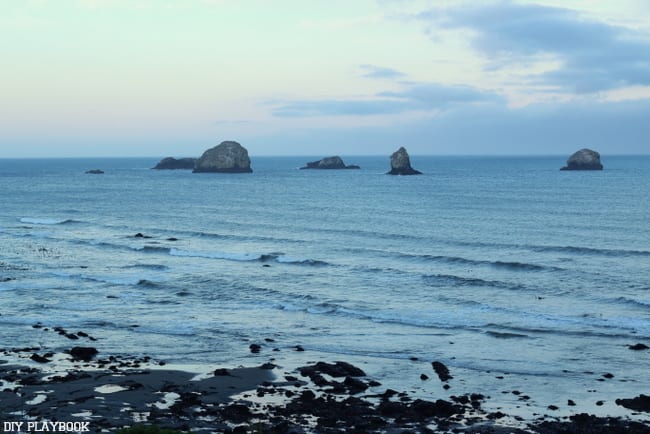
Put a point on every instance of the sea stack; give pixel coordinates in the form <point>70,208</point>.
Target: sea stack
<point>584,159</point>
<point>400,163</point>
<point>171,163</point>
<point>329,163</point>
<point>226,157</point>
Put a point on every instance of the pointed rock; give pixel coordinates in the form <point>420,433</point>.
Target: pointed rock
<point>400,163</point>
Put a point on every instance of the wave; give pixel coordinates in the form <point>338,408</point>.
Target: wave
<point>154,249</point>
<point>513,266</point>
<point>451,280</point>
<point>113,280</point>
<point>287,260</point>
<point>159,267</point>
<point>504,335</point>
<point>248,257</point>
<point>46,221</point>
<point>147,283</point>
<point>216,255</point>
<point>632,302</point>
<point>590,251</point>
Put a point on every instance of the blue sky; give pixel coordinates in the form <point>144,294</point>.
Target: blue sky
<point>295,77</point>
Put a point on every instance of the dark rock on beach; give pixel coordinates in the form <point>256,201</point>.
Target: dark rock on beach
<point>584,159</point>
<point>442,371</point>
<point>171,163</point>
<point>227,157</point>
<point>85,354</point>
<point>640,403</point>
<point>329,163</point>
<point>584,423</point>
<point>334,398</point>
<point>400,163</point>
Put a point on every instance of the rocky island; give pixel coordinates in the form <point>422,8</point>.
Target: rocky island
<point>400,163</point>
<point>334,162</point>
<point>171,163</point>
<point>584,159</point>
<point>227,157</point>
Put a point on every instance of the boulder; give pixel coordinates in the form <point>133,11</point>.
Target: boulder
<point>171,163</point>
<point>227,157</point>
<point>400,163</point>
<point>584,159</point>
<point>329,163</point>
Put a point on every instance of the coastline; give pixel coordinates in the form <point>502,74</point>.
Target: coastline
<point>322,396</point>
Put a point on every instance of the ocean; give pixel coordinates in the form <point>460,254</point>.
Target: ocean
<point>514,274</point>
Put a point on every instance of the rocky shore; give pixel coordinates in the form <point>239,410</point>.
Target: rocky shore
<point>109,392</point>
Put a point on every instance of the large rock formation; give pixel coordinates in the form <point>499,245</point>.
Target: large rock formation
<point>329,163</point>
<point>584,159</point>
<point>227,157</point>
<point>400,163</point>
<point>171,163</point>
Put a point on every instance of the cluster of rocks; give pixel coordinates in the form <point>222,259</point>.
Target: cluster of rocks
<point>327,397</point>
<point>226,157</point>
<point>232,157</point>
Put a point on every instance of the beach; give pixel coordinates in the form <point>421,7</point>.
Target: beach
<point>507,272</point>
<point>81,391</point>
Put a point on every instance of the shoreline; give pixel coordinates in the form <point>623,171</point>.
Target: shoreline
<point>323,396</point>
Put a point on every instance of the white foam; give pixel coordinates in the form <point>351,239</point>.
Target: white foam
<point>109,388</point>
<point>42,221</point>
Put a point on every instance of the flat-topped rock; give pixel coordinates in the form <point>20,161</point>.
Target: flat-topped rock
<point>584,159</point>
<point>227,157</point>
<point>400,163</point>
<point>334,162</point>
<point>171,163</point>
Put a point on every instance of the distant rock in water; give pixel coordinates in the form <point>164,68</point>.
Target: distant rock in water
<point>95,172</point>
<point>171,163</point>
<point>227,157</point>
<point>400,163</point>
<point>329,163</point>
<point>584,159</point>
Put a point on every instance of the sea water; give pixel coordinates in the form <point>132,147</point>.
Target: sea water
<point>514,274</point>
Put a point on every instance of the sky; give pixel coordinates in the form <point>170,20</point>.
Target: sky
<point>83,78</point>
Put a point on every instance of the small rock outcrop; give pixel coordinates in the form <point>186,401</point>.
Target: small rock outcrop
<point>171,163</point>
<point>95,172</point>
<point>584,159</point>
<point>227,157</point>
<point>400,163</point>
<point>329,163</point>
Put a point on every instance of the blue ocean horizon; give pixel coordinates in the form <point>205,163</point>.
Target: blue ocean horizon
<point>496,266</point>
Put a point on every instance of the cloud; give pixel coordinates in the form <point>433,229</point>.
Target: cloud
<point>341,107</point>
<point>538,129</point>
<point>372,71</point>
<point>421,97</point>
<point>434,95</point>
<point>593,55</point>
